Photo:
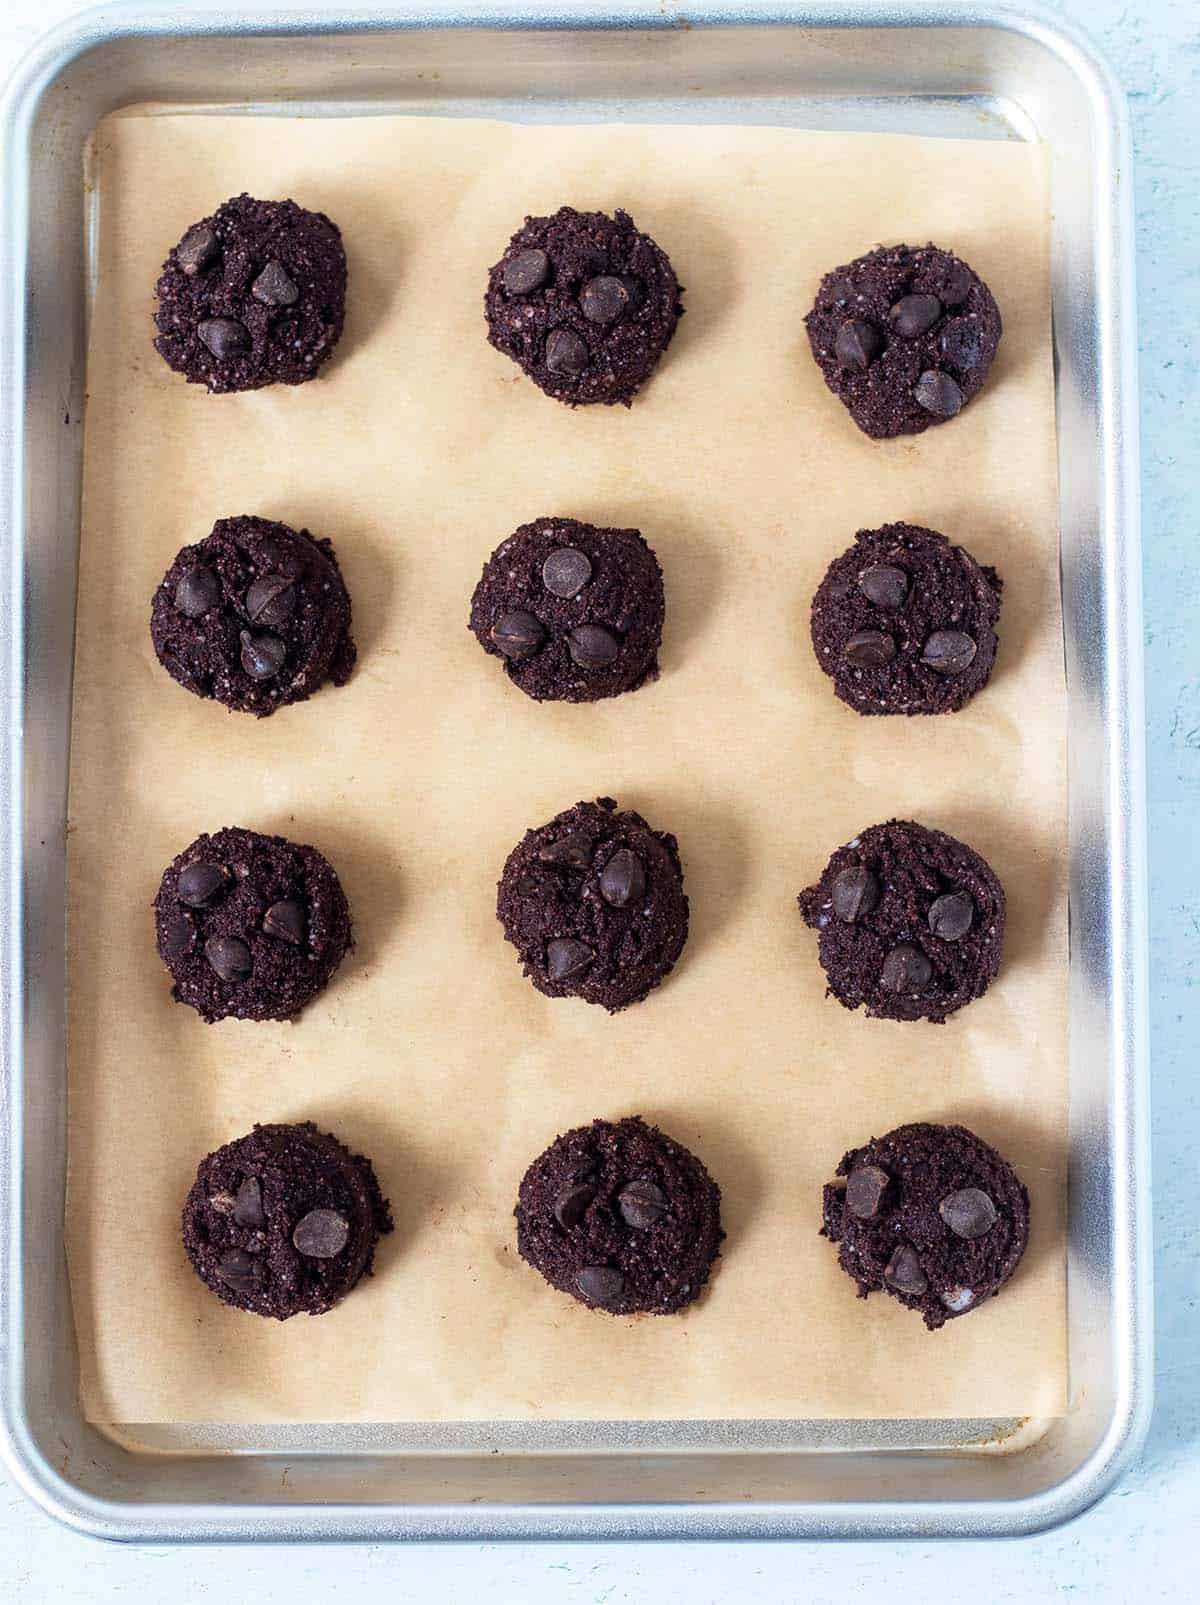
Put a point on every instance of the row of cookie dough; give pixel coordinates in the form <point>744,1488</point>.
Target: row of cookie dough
<point>910,920</point>
<point>585,304</point>
<point>257,616</point>
<point>616,1214</point>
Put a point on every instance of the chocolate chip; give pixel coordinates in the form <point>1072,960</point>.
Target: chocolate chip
<point>913,315</point>
<point>841,292</point>
<point>197,249</point>
<point>566,353</point>
<point>623,878</point>
<point>225,337</point>
<point>271,599</point>
<point>286,920</point>
<point>525,272</point>
<point>573,851</point>
<point>321,1234</point>
<point>869,649</point>
<point>600,1284</point>
<point>273,287</point>
<point>855,891</point>
<point>955,285</point>
<point>196,591</point>
<point>572,1203</point>
<point>223,1202</point>
<point>592,646</point>
<point>884,585</point>
<point>527,885</point>
<point>178,934</point>
<point>262,655</point>
<point>951,915</point>
<point>865,1188</point>
<point>938,394</point>
<point>605,299</point>
<point>957,1299</point>
<point>857,344</point>
<point>240,1271</point>
<point>643,1205</point>
<point>969,1213</point>
<point>518,635</point>
<point>566,571</point>
<point>567,958</point>
<point>949,652</point>
<point>248,1206</point>
<point>199,883</point>
<point>229,957</point>
<point>903,1271</point>
<point>905,970</point>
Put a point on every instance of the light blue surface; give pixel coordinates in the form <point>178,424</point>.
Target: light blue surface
<point>1141,1543</point>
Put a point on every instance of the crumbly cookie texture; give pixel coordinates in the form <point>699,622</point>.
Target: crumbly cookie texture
<point>930,1214</point>
<point>594,904</point>
<point>250,926</point>
<point>584,304</point>
<point>904,336</point>
<point>620,1217</point>
<point>910,922</point>
<point>255,616</point>
<point>904,622</point>
<point>574,612</point>
<point>284,1221</point>
<point>254,295</point>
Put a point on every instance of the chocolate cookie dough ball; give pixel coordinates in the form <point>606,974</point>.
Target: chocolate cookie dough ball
<point>575,613</point>
<point>931,1215</point>
<point>255,615</point>
<point>904,336</point>
<point>253,295</point>
<point>621,1218</point>
<point>284,1221</point>
<point>910,922</point>
<point>583,304</point>
<point>904,622</point>
<point>594,904</point>
<point>250,926</point>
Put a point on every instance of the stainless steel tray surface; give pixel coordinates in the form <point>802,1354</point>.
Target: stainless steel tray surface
<point>941,69</point>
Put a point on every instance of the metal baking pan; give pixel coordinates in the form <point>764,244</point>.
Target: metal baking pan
<point>954,70</point>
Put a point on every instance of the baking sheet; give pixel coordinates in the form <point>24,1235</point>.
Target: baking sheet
<point>417,453</point>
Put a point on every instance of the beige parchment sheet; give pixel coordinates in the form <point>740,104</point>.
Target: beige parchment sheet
<point>417,453</point>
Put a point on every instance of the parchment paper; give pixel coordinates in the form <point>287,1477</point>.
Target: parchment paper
<point>417,454</point>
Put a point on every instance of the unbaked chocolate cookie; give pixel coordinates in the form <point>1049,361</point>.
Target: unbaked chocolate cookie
<point>574,612</point>
<point>255,615</point>
<point>904,622</point>
<point>910,922</point>
<point>931,1215</point>
<point>250,926</point>
<point>621,1218</point>
<point>583,304</point>
<point>594,904</point>
<point>904,337</point>
<point>284,1221</point>
<point>253,295</point>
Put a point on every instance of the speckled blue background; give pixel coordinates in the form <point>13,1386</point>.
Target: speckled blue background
<point>1141,1543</point>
